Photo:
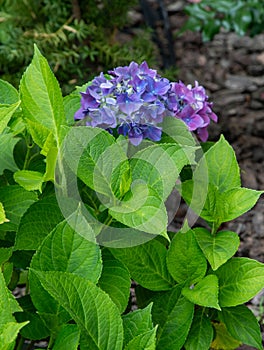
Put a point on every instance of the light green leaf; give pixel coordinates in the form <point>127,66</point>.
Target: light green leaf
<point>115,280</point>
<point>221,165</point>
<point>8,94</point>
<point>185,260</point>
<point>7,144</point>
<point>143,210</point>
<point>16,201</point>
<point>41,96</point>
<point>175,130</point>
<point>242,325</point>
<point>152,163</point>
<point>37,222</point>
<point>72,103</point>
<point>70,335</point>
<point>137,322</point>
<point>238,201</point>
<point>174,314</point>
<point>42,136</point>
<point>144,341</point>
<point>6,112</point>
<point>218,248</point>
<point>201,332</point>
<point>204,293</point>
<point>147,264</point>
<point>240,279</point>
<point>2,214</point>
<point>29,180</point>
<point>8,334</point>
<point>223,340</point>
<point>90,307</point>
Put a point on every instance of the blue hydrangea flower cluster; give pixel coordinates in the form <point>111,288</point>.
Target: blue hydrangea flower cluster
<point>134,99</point>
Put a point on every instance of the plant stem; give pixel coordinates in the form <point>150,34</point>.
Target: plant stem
<point>20,343</point>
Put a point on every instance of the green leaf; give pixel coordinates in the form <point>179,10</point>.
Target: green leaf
<point>8,334</point>
<point>115,280</point>
<point>71,104</point>
<point>8,94</point>
<point>41,97</point>
<point>144,341</point>
<point>136,323</point>
<point>152,163</point>
<point>35,329</point>
<point>16,201</point>
<point>237,202</point>
<point>146,264</point>
<point>2,214</point>
<point>201,332</point>
<point>90,307</point>
<point>7,144</point>
<point>5,254</point>
<point>142,209</point>
<point>174,314</point>
<point>37,223</point>
<point>29,180</point>
<point>242,325</point>
<point>240,279</point>
<point>204,293</point>
<point>223,340</point>
<point>70,335</point>
<point>185,260</point>
<point>6,112</point>
<point>175,130</point>
<point>218,248</point>
<point>65,250</point>
<point>8,304</point>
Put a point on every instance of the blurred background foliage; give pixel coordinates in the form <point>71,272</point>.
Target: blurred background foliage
<point>78,37</point>
<point>81,38</point>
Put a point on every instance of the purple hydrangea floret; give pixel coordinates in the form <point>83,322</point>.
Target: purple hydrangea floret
<point>135,99</point>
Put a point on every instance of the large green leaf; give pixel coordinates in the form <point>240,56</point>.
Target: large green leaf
<point>240,279</point>
<point>185,260</point>
<point>217,248</point>
<point>144,341</point>
<point>137,322</point>
<point>204,293</point>
<point>242,325</point>
<point>115,280</point>
<point>201,332</point>
<point>7,144</point>
<point>41,97</point>
<point>90,307</point>
<point>173,313</point>
<point>65,250</point>
<point>16,201</point>
<point>37,223</point>
<point>6,112</point>
<point>147,264</point>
